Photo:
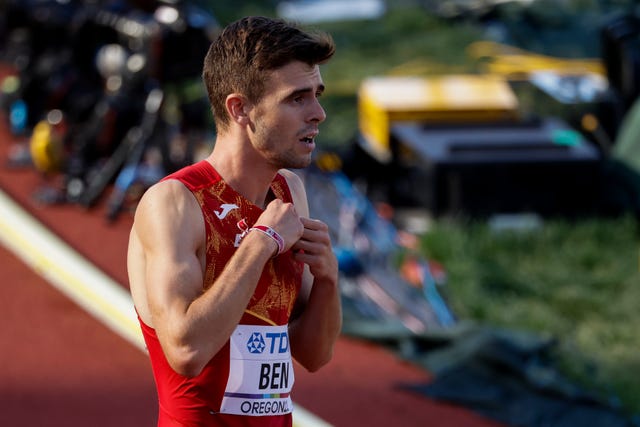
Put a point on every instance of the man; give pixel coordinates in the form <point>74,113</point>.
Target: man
<point>229,276</point>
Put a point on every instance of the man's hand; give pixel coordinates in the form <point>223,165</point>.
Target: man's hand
<point>314,249</point>
<point>284,219</point>
<point>314,332</point>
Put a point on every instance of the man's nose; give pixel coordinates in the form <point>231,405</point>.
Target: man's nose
<point>317,114</point>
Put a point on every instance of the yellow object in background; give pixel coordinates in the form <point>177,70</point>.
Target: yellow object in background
<point>47,145</point>
<point>515,63</point>
<point>440,99</point>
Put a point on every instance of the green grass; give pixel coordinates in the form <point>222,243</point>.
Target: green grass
<point>575,281</point>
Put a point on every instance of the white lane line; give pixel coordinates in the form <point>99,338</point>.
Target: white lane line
<point>68,271</point>
<point>81,281</point>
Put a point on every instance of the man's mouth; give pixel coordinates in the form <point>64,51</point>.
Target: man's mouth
<point>310,138</point>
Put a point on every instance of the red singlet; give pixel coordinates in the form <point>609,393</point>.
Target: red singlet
<point>252,374</point>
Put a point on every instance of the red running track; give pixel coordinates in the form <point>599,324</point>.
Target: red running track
<point>61,367</point>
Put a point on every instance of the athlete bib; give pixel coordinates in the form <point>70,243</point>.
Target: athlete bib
<point>260,372</point>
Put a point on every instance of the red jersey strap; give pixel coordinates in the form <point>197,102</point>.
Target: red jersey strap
<point>202,174</point>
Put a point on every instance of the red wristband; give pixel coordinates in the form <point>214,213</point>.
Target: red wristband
<point>271,233</point>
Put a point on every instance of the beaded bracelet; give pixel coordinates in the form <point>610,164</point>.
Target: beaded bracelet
<point>271,233</point>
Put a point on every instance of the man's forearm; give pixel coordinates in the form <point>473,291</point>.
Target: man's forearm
<point>315,332</point>
<point>202,327</point>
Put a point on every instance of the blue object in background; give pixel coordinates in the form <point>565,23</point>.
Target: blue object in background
<point>18,114</point>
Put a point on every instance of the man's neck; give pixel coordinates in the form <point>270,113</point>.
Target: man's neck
<point>250,177</point>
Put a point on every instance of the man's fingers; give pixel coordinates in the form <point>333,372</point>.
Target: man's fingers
<point>313,224</point>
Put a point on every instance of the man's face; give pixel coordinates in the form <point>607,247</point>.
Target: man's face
<point>285,121</point>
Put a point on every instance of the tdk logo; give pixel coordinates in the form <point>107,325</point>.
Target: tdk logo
<point>256,343</point>
<point>278,342</point>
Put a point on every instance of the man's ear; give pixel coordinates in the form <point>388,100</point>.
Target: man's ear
<point>238,108</point>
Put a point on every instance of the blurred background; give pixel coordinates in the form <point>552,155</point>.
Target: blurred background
<point>479,169</point>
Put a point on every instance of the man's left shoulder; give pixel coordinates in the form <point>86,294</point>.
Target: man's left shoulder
<point>288,174</point>
<point>296,186</point>
<point>293,180</point>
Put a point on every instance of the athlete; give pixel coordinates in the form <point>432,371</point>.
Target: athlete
<point>231,279</point>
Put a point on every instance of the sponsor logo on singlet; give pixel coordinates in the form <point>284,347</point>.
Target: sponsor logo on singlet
<point>260,372</point>
<point>225,208</point>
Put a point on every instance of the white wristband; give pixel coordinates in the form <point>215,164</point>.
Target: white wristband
<point>271,233</point>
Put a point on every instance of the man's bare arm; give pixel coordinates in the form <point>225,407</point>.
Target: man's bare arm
<point>192,323</point>
<point>314,331</point>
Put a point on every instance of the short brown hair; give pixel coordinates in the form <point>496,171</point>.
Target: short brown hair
<point>240,58</point>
